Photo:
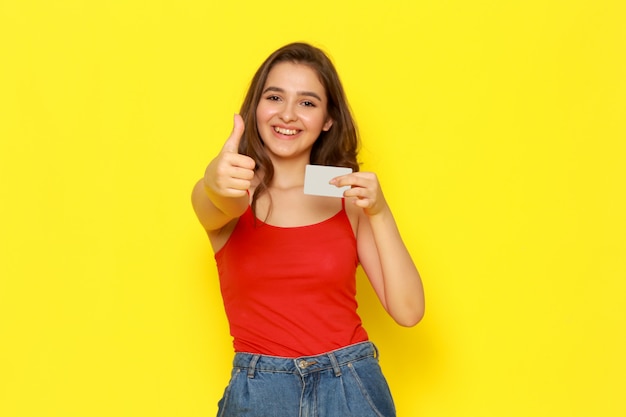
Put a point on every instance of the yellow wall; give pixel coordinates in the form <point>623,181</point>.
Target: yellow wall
<point>497,129</point>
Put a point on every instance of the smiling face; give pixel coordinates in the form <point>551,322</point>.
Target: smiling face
<point>292,111</point>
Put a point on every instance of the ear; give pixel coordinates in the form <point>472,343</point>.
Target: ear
<point>327,125</point>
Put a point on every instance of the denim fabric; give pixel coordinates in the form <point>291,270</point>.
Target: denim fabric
<point>346,382</point>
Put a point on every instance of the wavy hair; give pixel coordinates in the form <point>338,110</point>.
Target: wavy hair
<point>337,146</point>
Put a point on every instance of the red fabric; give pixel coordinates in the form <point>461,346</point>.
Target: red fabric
<point>290,291</point>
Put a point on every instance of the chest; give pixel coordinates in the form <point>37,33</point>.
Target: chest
<point>263,257</point>
<point>293,208</point>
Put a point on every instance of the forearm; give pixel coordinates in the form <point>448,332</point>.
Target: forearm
<point>214,210</point>
<point>402,285</point>
<point>230,206</point>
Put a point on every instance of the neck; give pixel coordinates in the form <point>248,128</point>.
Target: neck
<point>288,173</point>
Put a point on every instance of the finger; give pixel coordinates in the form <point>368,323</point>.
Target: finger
<point>234,192</point>
<point>342,180</point>
<point>239,160</point>
<point>237,186</point>
<point>355,179</point>
<point>242,173</point>
<point>231,186</point>
<point>357,192</point>
<point>363,203</point>
<point>232,143</point>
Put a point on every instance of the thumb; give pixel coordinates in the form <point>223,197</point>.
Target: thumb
<point>232,143</point>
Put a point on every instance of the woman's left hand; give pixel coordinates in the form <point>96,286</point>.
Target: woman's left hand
<point>365,189</point>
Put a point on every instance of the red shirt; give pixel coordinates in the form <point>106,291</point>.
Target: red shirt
<point>290,291</point>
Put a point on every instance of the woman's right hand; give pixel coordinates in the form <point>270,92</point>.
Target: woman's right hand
<point>230,173</point>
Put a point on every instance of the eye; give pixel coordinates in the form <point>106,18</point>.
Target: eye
<point>308,104</point>
<point>273,98</point>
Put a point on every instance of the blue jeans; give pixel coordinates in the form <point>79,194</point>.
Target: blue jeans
<point>342,383</point>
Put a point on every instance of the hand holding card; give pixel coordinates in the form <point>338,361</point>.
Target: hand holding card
<point>317,178</point>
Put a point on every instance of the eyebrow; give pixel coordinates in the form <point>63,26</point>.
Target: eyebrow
<point>300,93</point>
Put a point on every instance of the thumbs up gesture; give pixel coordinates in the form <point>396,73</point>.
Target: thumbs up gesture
<point>230,173</point>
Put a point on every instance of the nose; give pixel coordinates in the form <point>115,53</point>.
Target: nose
<point>288,113</point>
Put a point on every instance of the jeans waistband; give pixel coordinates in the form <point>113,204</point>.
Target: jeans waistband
<point>305,364</point>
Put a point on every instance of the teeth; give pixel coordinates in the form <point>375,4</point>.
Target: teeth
<point>285,131</point>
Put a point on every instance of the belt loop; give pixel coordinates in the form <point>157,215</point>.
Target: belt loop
<point>335,364</point>
<point>252,365</point>
<point>376,353</point>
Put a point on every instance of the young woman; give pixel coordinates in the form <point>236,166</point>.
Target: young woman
<point>287,260</point>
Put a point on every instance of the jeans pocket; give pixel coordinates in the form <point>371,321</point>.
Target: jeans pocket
<point>373,386</point>
<point>223,402</point>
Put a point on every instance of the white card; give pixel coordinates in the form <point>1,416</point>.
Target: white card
<point>317,178</point>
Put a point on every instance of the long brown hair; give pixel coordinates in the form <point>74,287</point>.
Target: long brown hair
<point>338,146</point>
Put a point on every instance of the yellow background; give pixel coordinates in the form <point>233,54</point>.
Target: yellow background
<point>497,129</point>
